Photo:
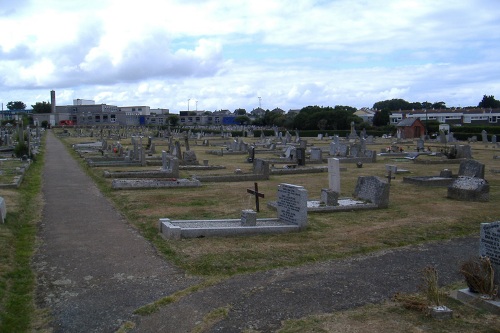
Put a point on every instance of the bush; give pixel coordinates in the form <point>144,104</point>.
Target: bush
<point>21,149</point>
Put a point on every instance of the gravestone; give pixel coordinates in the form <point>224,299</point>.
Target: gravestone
<point>334,149</point>
<point>471,168</point>
<point>292,204</point>
<point>320,136</point>
<point>484,136</point>
<point>354,151</point>
<point>466,188</point>
<point>373,189</point>
<point>442,137</point>
<point>289,152</point>
<point>489,246</point>
<point>189,158</point>
<point>251,154</point>
<point>420,145</point>
<point>255,192</point>
<point>463,151</point>
<point>301,156</point>
<point>329,197</point>
<point>353,134</point>
<point>164,162</point>
<point>248,218</point>
<point>494,139</point>
<point>343,150</point>
<point>177,150</point>
<point>391,172</point>
<point>316,154</point>
<point>334,174</point>
<point>261,167</point>
<point>3,210</point>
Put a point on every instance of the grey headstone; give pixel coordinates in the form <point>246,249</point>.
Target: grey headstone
<point>484,136</point>
<point>329,197</point>
<point>489,246</point>
<point>3,210</point>
<point>316,154</point>
<point>471,168</point>
<point>261,167</point>
<point>469,189</point>
<point>248,217</point>
<point>292,204</point>
<point>373,189</point>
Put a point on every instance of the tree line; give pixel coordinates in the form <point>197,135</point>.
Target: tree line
<point>315,117</point>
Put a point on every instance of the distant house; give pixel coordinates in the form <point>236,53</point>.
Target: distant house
<point>410,128</point>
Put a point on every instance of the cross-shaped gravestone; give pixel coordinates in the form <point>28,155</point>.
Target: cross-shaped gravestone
<point>257,195</point>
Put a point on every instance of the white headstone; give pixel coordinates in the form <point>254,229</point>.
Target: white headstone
<point>334,174</point>
<point>292,204</point>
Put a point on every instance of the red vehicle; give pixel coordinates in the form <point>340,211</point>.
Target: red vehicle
<point>66,123</point>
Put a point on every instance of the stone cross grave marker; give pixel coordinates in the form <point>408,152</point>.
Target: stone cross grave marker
<point>334,174</point>
<point>489,246</point>
<point>292,204</point>
<point>257,195</point>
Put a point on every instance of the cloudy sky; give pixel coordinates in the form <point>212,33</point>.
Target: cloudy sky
<point>221,54</point>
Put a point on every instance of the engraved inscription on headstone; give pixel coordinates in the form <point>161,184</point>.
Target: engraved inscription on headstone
<point>292,204</point>
<point>489,246</point>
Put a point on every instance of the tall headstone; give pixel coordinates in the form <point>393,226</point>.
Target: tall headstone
<point>292,204</point>
<point>301,156</point>
<point>489,246</point>
<point>164,162</point>
<point>442,137</point>
<point>3,210</point>
<point>334,174</point>
<point>484,136</point>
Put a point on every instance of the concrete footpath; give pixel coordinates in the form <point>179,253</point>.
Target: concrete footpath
<point>95,270</point>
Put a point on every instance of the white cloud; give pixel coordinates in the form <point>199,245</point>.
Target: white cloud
<point>227,53</point>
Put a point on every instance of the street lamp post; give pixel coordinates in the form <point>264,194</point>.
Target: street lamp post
<point>188,103</point>
<point>196,105</point>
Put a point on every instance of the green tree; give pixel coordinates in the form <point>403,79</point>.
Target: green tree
<point>393,105</point>
<point>381,118</point>
<point>489,102</point>
<point>173,119</point>
<point>42,107</point>
<point>240,112</point>
<point>439,105</point>
<point>242,120</point>
<point>16,105</point>
<point>314,117</point>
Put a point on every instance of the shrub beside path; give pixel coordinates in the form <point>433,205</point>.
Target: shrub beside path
<point>94,270</point>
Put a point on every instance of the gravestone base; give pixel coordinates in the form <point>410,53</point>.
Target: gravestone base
<point>440,312</point>
<point>477,301</point>
<point>329,197</point>
<point>469,189</point>
<point>248,217</point>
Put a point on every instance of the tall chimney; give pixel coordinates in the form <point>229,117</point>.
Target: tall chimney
<point>52,101</point>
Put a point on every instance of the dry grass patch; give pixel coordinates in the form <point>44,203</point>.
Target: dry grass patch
<point>415,214</point>
<point>392,318</point>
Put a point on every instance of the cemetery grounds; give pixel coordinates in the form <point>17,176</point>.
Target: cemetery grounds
<point>416,214</point>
